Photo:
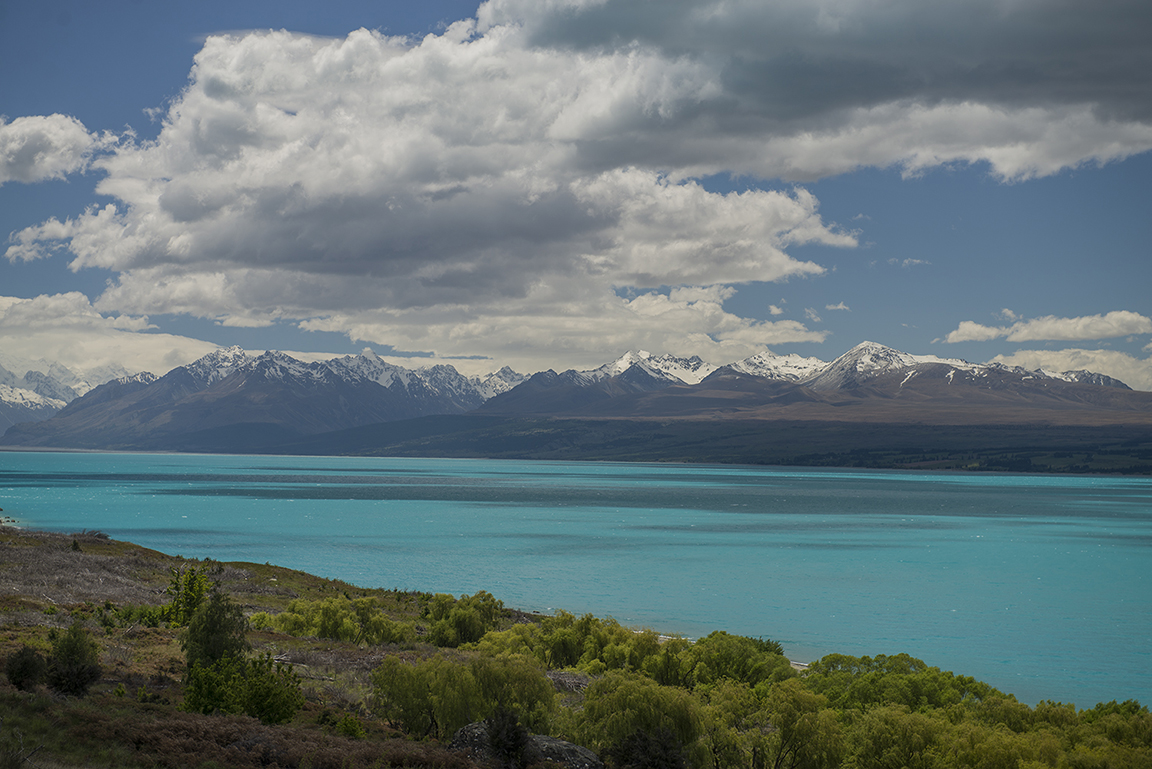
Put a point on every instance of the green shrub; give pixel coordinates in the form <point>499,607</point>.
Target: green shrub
<point>350,726</point>
<point>74,665</point>
<point>642,750</point>
<point>455,623</point>
<point>186,590</point>
<point>271,691</point>
<point>26,668</point>
<point>214,687</point>
<point>435,697</point>
<point>750,660</point>
<point>900,679</point>
<point>619,704</point>
<point>148,616</point>
<point>217,630</point>
<point>338,619</point>
<point>260,687</point>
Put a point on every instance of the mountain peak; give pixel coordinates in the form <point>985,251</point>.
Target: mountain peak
<point>218,364</point>
<point>865,361</point>
<point>664,367</point>
<point>789,368</point>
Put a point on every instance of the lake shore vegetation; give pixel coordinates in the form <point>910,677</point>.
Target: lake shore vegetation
<point>115,655</point>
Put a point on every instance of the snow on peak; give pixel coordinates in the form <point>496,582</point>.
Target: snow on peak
<point>863,362</point>
<point>621,364</point>
<point>497,382</point>
<point>668,367</point>
<point>18,396</point>
<point>368,365</point>
<point>872,357</point>
<point>218,364</point>
<point>688,370</point>
<point>274,364</point>
<point>791,367</point>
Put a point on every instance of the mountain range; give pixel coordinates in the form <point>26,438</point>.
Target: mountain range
<point>234,401</point>
<point>43,389</point>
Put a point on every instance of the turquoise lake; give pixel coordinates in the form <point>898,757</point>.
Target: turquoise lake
<point>1039,585</point>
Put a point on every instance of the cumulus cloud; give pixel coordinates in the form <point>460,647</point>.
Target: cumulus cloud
<point>794,60</point>
<point>577,331</point>
<point>838,306</point>
<point>315,179</point>
<point>40,147</point>
<point>518,170</point>
<point>66,329</point>
<point>1132,371</point>
<point>1050,327</point>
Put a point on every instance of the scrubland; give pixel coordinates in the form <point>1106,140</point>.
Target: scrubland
<point>320,673</point>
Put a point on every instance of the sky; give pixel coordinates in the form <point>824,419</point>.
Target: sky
<point>550,183</point>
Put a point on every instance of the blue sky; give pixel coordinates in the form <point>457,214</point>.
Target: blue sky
<point>550,184</point>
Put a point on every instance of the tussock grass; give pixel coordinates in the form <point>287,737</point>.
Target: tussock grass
<point>130,719</point>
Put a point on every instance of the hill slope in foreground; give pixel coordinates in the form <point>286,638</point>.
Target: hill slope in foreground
<point>721,701</point>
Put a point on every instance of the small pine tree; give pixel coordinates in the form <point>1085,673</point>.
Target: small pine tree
<point>187,589</point>
<point>217,630</point>
<point>74,665</point>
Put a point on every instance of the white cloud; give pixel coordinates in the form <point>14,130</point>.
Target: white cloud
<point>319,179</point>
<point>906,263</point>
<point>811,314</point>
<point>41,147</point>
<point>1050,327</point>
<point>838,306</point>
<point>798,63</point>
<point>774,310</point>
<point>515,172</point>
<point>1132,371</point>
<point>578,331</point>
<point>1113,324</point>
<point>970,331</point>
<point>66,329</point>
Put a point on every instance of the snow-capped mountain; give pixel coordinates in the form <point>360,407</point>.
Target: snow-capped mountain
<point>497,382</point>
<point>19,405</point>
<point>230,397</point>
<point>217,365</point>
<point>661,367</point>
<point>640,384</point>
<point>368,365</point>
<point>869,362</point>
<point>52,374</point>
<point>790,368</point>
<point>1086,377</point>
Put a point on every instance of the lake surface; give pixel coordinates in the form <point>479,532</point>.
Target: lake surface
<point>1039,585</point>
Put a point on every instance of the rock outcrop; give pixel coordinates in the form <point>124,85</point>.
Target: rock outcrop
<point>473,740</point>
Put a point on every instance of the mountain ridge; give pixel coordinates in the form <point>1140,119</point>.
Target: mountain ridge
<point>230,397</point>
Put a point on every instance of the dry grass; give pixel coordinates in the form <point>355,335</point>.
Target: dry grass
<point>105,730</point>
<point>45,567</point>
<point>131,717</point>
